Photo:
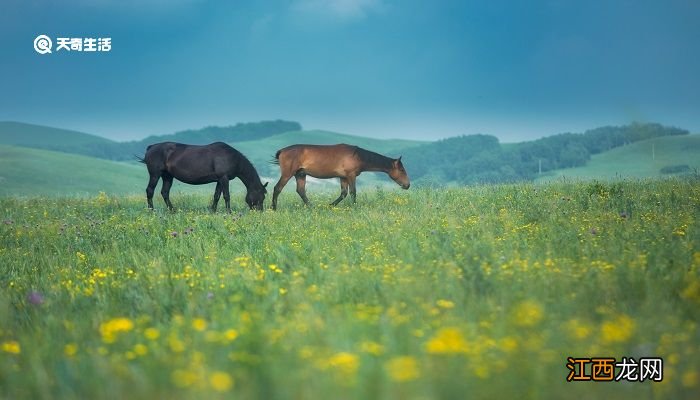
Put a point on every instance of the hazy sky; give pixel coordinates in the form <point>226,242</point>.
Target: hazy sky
<point>383,68</point>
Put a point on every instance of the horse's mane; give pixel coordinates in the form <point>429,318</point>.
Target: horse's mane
<point>373,159</point>
<point>248,173</point>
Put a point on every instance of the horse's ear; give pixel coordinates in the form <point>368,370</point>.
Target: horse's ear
<point>399,160</point>
<point>265,185</point>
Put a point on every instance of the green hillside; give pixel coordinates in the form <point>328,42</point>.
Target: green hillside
<point>34,172</point>
<point>25,171</point>
<point>635,160</point>
<point>30,135</point>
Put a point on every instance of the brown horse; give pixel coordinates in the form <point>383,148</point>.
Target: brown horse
<point>197,165</point>
<point>335,161</point>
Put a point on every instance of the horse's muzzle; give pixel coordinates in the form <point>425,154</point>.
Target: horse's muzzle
<point>406,186</point>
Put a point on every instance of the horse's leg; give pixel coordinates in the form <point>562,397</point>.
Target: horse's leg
<point>227,196</point>
<point>278,189</point>
<point>343,191</point>
<point>353,190</point>
<point>301,187</point>
<point>152,183</point>
<point>217,195</point>
<point>165,190</point>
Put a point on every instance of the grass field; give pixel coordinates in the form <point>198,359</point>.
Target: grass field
<point>637,160</point>
<point>476,292</point>
<point>26,172</point>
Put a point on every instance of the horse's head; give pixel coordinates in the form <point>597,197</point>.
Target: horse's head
<point>398,174</point>
<point>256,197</point>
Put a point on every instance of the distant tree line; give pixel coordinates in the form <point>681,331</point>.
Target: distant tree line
<point>482,159</point>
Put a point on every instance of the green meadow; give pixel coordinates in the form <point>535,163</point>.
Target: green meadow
<point>33,172</point>
<point>643,159</point>
<point>476,292</point>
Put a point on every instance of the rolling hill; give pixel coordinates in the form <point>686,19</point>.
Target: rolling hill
<point>39,136</point>
<point>636,161</point>
<point>27,172</point>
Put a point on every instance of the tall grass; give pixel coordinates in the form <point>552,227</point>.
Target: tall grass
<point>466,292</point>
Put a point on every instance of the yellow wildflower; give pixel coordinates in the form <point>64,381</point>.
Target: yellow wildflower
<point>221,381</point>
<point>231,335</point>
<point>12,347</point>
<point>373,348</point>
<point>619,329</point>
<point>199,324</point>
<point>447,341</point>
<point>70,349</point>
<point>692,290</point>
<point>528,313</point>
<point>402,369</point>
<point>275,268</point>
<point>140,349</point>
<point>447,304</point>
<point>508,344</point>
<point>111,328</point>
<point>151,333</point>
<point>346,363</point>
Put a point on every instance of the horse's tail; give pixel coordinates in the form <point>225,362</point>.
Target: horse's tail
<point>276,160</point>
<point>143,159</point>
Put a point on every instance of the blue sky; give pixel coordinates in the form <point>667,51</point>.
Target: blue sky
<point>381,68</point>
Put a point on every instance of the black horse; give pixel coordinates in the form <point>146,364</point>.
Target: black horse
<point>197,165</point>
